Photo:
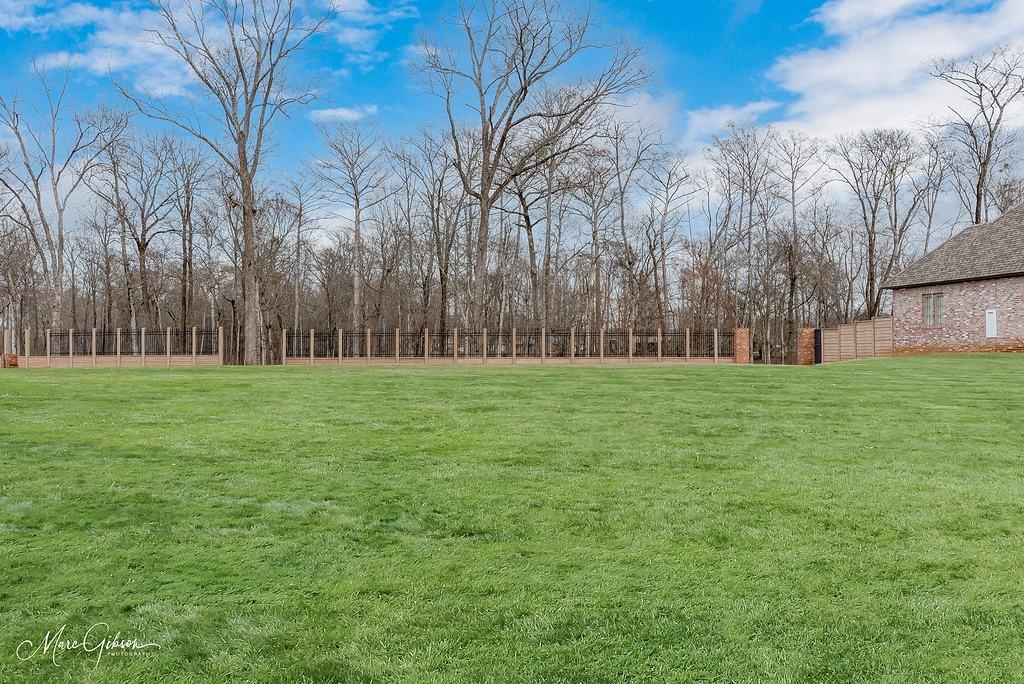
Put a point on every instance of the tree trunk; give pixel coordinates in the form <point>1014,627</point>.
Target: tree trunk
<point>357,270</point>
<point>478,289</point>
<point>250,291</point>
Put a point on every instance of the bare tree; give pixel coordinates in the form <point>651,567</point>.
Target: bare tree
<point>878,167</point>
<point>355,172</point>
<point>594,195</point>
<point>667,184</point>
<point>990,85</point>
<point>797,165</point>
<point>136,182</point>
<point>188,175</point>
<point>444,202</point>
<point>513,54</point>
<point>239,51</point>
<point>54,152</point>
<point>933,179</point>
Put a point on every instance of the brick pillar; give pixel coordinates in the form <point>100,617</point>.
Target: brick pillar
<point>805,347</point>
<point>741,345</point>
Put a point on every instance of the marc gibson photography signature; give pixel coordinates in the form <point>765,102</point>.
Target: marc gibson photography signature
<point>96,642</point>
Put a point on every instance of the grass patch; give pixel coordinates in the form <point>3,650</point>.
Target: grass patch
<point>857,522</point>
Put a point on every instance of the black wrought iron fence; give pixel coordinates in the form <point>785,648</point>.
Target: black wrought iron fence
<point>499,344</point>
<point>645,344</point>
<point>156,342</point>
<point>297,343</point>
<point>440,345</point>
<point>702,344</point>
<point>588,344</point>
<point>382,344</point>
<point>673,345</point>
<point>106,342</point>
<point>131,343</point>
<point>471,344</point>
<point>126,342</point>
<point>558,344</point>
<point>616,344</point>
<point>81,342</point>
<point>181,341</point>
<point>411,345</point>
<point>726,343</point>
<point>528,344</point>
<point>59,343</point>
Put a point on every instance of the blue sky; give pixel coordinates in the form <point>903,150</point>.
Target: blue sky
<point>824,67</point>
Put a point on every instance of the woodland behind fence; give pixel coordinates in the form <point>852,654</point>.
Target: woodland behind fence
<point>558,207</point>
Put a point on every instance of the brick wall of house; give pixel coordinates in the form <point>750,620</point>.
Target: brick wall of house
<point>963,327</point>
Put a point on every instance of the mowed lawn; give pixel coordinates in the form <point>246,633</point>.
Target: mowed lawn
<point>857,522</point>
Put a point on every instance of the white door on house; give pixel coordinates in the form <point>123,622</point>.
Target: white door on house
<point>991,324</point>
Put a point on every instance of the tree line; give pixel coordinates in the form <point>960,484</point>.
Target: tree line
<point>537,199</point>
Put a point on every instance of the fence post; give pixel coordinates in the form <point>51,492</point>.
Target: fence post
<point>716,345</point>
<point>455,345</point>
<point>193,346</point>
<point>485,346</point>
<point>659,345</point>
<point>71,348</point>
<point>543,345</point>
<point>94,347</point>
<point>117,346</point>
<point>687,344</point>
<point>629,345</point>
<point>28,347</point>
<point>47,347</point>
<point>168,348</point>
<point>220,344</point>
<point>398,345</point>
<point>284,346</point>
<point>600,345</point>
<point>143,347</point>
<point>513,345</point>
<point>572,344</point>
<point>312,339</point>
<point>369,343</point>
<point>340,339</point>
<point>426,345</point>
<point>741,345</point>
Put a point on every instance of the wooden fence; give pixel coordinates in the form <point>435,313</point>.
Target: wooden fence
<point>860,340</point>
<point>337,347</point>
<point>118,348</point>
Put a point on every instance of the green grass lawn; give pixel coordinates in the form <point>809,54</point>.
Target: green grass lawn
<point>857,522</point>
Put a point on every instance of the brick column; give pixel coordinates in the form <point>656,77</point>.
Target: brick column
<point>741,345</point>
<point>805,347</point>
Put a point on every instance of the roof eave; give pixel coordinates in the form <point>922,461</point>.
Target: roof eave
<point>953,281</point>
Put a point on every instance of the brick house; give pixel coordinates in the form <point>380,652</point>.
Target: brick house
<point>966,295</point>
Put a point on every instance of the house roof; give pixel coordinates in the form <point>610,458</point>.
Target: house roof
<point>987,250</point>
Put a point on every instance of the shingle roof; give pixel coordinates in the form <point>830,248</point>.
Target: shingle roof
<point>987,250</point>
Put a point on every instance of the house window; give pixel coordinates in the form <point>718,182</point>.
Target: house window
<point>932,309</point>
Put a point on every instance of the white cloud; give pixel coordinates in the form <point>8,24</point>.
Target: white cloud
<point>335,114</point>
<point>842,16</point>
<point>701,124</point>
<point>118,43</point>
<point>875,72</point>
<point>361,24</point>
<point>16,15</point>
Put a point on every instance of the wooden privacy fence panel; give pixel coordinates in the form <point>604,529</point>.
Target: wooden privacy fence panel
<point>860,340</point>
<point>117,348</point>
<point>310,347</point>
